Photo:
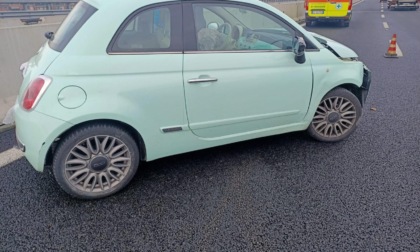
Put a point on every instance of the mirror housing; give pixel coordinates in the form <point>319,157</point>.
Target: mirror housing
<point>299,47</point>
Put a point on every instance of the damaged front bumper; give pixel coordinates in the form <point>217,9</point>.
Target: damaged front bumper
<point>367,79</point>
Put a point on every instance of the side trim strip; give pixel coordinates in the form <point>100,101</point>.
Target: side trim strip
<point>171,129</point>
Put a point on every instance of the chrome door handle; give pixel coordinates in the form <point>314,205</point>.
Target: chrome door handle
<point>199,80</point>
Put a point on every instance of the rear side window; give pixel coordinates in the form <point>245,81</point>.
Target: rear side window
<point>77,17</point>
<point>155,29</point>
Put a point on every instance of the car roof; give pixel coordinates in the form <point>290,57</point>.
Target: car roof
<point>100,3</point>
<point>111,7</point>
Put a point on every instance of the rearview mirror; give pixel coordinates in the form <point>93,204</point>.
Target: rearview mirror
<point>299,47</point>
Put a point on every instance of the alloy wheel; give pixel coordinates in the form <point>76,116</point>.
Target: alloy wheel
<point>97,163</point>
<point>334,117</point>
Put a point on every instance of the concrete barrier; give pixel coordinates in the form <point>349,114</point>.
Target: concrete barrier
<point>293,9</point>
<point>19,42</point>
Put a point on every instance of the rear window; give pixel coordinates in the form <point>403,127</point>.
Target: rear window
<point>77,17</point>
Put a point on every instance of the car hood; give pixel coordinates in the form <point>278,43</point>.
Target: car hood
<point>339,49</point>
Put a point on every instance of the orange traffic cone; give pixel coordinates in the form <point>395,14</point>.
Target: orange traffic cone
<point>392,49</point>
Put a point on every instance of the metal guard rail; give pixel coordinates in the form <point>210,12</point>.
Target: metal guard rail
<point>26,14</point>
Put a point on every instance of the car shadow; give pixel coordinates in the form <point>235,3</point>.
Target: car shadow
<point>329,25</point>
<point>213,162</point>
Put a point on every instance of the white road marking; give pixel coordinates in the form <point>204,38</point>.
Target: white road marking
<point>386,26</point>
<point>382,16</point>
<point>398,50</point>
<point>10,156</point>
<point>359,2</point>
<point>382,10</point>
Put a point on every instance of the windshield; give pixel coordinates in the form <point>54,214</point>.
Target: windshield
<point>77,17</point>
<point>320,40</point>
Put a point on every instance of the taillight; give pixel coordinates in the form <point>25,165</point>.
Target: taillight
<point>306,4</point>
<point>350,4</point>
<point>34,91</point>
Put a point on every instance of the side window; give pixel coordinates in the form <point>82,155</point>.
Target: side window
<point>152,30</point>
<point>71,25</point>
<point>211,17</point>
<point>230,27</point>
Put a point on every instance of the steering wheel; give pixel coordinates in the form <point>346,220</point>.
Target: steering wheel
<point>229,41</point>
<point>226,29</point>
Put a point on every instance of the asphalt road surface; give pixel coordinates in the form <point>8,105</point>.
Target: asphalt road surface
<point>281,193</point>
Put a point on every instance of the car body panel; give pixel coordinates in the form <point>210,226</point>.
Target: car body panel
<point>329,73</point>
<point>233,105</point>
<point>342,50</point>
<point>37,65</point>
<point>150,91</point>
<point>46,130</point>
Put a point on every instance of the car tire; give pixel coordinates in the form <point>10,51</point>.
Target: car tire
<point>95,161</point>
<point>336,117</point>
<point>308,23</point>
<point>346,23</point>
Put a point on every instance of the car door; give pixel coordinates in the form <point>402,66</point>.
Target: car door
<point>145,63</point>
<point>240,75</point>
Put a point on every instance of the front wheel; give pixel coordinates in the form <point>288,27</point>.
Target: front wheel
<point>95,161</point>
<point>336,116</point>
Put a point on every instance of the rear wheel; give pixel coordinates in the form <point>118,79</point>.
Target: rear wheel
<point>308,23</point>
<point>95,161</point>
<point>336,116</point>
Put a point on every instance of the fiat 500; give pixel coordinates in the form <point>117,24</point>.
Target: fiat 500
<point>124,82</point>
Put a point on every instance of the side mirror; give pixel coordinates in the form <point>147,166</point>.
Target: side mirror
<point>299,47</point>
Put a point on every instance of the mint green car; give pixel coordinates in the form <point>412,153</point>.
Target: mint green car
<point>123,82</point>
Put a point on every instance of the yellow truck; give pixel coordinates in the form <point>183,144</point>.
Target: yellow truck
<point>328,11</point>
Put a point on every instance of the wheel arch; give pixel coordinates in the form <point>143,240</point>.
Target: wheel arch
<point>130,130</point>
<point>354,89</point>
<point>351,87</point>
<point>327,129</point>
